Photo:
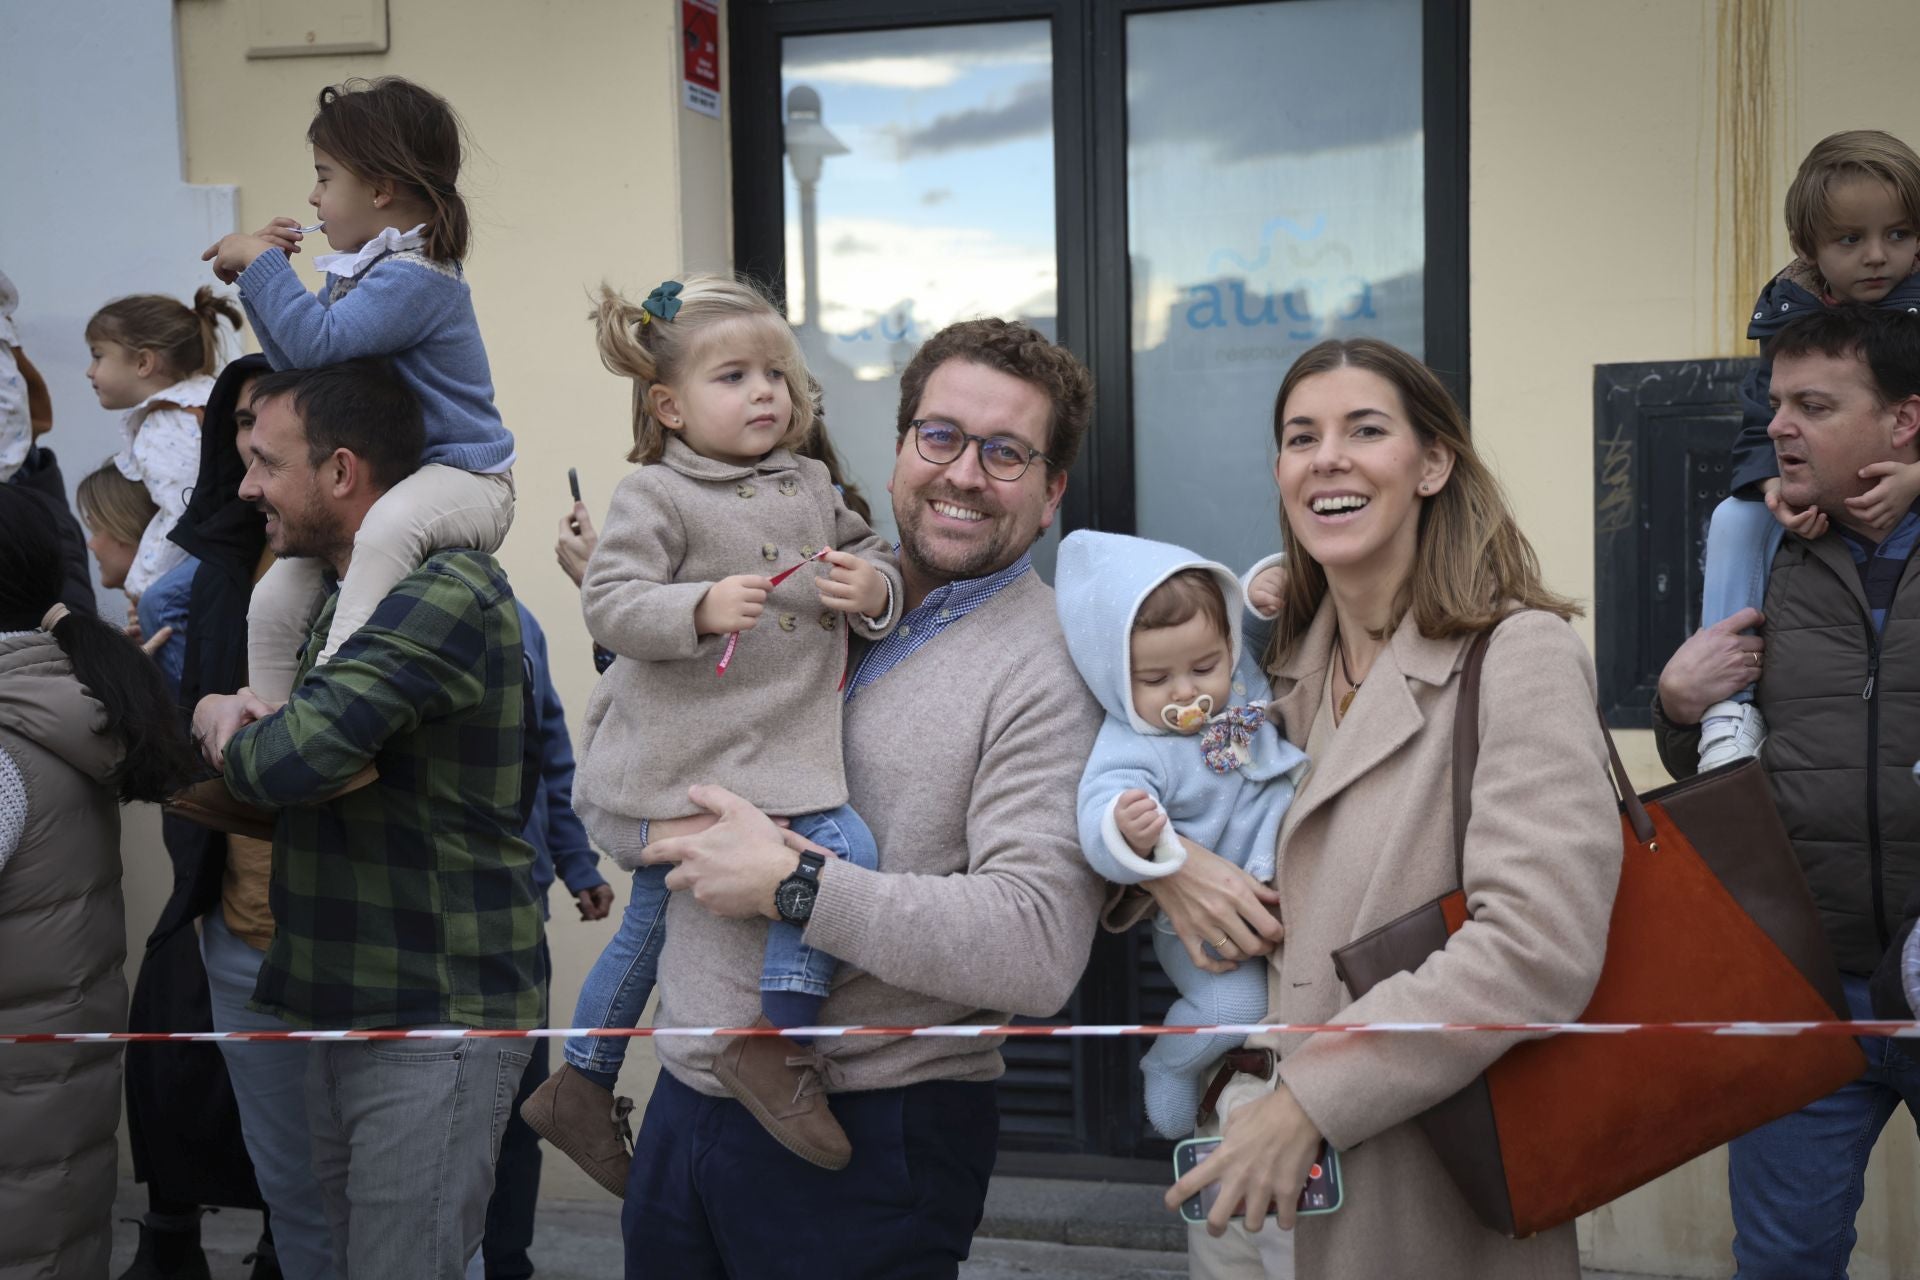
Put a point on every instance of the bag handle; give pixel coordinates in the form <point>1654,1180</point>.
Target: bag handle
<point>1466,755</point>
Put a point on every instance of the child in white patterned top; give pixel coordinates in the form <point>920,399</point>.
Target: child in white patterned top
<point>154,357</point>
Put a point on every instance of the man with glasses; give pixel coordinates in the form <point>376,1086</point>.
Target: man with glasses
<point>966,730</point>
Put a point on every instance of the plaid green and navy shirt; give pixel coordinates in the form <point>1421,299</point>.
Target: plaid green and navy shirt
<point>408,902</point>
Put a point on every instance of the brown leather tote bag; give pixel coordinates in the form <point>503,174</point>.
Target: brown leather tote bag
<point>1713,922</point>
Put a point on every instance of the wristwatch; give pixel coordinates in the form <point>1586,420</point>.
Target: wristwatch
<point>793,897</point>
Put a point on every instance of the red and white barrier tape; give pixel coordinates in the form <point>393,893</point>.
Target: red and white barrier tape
<point>1831,1028</point>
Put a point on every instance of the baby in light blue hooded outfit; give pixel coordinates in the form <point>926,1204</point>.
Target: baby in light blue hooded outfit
<point>1186,748</point>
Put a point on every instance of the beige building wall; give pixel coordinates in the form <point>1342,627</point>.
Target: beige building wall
<point>584,167</point>
<point>1628,164</point>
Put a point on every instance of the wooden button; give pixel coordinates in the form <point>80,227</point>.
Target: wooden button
<point>807,552</point>
<point>826,621</point>
<point>743,490</point>
<point>769,552</point>
<point>787,621</point>
<point>789,487</point>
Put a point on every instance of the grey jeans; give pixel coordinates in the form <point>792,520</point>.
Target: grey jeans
<point>405,1135</point>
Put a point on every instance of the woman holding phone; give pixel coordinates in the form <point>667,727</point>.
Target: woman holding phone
<point>1401,549</point>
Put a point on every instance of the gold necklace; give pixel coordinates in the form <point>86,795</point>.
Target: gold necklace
<point>1353,686</point>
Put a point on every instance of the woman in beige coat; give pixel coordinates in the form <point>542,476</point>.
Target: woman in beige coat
<point>1401,551</point>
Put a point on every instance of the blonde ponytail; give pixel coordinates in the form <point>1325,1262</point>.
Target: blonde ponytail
<point>635,343</point>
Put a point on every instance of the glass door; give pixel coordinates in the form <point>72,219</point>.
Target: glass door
<point>1188,193</point>
<point>918,191</point>
<point>1275,198</point>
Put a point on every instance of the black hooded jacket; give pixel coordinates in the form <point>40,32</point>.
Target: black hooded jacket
<point>1787,297</point>
<point>182,1121</point>
<point>227,535</point>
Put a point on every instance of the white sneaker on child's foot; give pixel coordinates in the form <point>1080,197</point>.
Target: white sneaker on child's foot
<point>1730,731</point>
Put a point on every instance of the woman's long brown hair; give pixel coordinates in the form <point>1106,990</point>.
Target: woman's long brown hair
<point>1472,565</point>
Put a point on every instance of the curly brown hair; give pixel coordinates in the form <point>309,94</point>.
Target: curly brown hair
<point>1022,351</point>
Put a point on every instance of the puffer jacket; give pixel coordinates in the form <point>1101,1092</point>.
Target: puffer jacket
<point>63,939</point>
<point>1842,706</point>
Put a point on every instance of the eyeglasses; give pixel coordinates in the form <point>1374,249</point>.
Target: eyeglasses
<point>1002,457</point>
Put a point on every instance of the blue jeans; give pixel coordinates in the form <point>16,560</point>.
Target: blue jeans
<point>1742,538</point>
<point>1797,1183</point>
<point>269,1085</point>
<point>618,986</point>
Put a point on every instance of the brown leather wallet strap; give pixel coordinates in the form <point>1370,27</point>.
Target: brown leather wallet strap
<point>1238,1062</point>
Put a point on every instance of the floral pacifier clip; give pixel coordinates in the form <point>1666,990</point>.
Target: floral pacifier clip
<point>733,640</point>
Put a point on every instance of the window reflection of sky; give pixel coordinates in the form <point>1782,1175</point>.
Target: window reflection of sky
<point>944,206</point>
<point>1276,193</point>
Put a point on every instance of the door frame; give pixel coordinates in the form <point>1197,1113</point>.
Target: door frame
<point>1094,283</point>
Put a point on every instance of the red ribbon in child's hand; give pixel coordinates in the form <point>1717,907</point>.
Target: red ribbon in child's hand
<point>733,640</point>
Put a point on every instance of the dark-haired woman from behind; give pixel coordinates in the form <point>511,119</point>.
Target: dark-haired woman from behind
<point>86,725</point>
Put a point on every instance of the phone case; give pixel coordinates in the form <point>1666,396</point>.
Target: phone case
<point>1323,1193</point>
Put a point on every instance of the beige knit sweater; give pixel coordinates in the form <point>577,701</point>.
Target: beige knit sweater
<point>660,719</point>
<point>965,760</point>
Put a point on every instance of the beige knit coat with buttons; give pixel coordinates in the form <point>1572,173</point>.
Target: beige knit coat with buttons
<point>661,719</point>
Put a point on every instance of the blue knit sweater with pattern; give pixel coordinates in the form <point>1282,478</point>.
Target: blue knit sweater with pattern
<point>416,312</point>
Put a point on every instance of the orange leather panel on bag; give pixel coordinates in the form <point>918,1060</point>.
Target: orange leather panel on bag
<point>1602,1092</point>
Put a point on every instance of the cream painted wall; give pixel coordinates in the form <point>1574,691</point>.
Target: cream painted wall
<point>580,144</point>
<point>1600,139</point>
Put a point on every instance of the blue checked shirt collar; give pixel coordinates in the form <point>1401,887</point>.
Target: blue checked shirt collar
<point>944,606</point>
<point>1881,565</point>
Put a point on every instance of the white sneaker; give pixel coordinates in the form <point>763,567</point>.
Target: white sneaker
<point>1730,731</point>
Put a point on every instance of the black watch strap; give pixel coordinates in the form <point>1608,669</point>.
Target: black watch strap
<point>793,896</point>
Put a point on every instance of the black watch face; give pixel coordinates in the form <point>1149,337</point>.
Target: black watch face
<point>794,900</point>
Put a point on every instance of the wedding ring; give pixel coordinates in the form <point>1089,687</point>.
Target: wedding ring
<point>1226,940</point>
<point>1753,657</point>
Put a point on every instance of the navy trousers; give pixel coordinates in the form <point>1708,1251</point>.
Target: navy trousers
<point>712,1197</point>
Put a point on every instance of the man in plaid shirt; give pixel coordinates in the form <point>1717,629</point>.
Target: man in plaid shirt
<point>408,902</point>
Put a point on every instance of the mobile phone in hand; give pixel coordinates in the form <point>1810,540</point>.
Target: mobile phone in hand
<point>573,483</point>
<point>1322,1194</point>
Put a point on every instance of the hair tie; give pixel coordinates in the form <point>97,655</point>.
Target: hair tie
<point>663,302</point>
<point>53,615</point>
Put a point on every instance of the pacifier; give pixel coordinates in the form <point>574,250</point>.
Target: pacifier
<point>1187,717</point>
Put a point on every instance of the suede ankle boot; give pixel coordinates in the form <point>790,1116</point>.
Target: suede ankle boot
<point>782,1084</point>
<point>585,1123</point>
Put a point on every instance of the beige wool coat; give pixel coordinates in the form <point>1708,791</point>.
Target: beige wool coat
<point>1369,839</point>
<point>660,719</point>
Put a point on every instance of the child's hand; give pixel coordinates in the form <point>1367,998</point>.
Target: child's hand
<point>234,254</point>
<point>1884,504</point>
<point>1140,819</point>
<point>283,234</point>
<point>1808,522</point>
<point>852,585</point>
<point>731,604</point>
<point>1268,590</point>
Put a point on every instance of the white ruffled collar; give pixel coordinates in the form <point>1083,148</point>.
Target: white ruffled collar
<point>188,393</point>
<point>390,240</point>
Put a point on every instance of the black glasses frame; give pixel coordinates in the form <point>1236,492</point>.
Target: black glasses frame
<point>980,447</point>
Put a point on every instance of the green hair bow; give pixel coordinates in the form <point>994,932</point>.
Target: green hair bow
<point>663,302</point>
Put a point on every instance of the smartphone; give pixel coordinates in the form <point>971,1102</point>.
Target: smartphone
<point>573,483</point>
<point>1322,1193</point>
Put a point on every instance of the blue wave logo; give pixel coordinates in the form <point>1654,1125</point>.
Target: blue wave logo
<point>1227,257</point>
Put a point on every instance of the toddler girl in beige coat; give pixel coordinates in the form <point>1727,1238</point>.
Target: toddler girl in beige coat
<point>731,647</point>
